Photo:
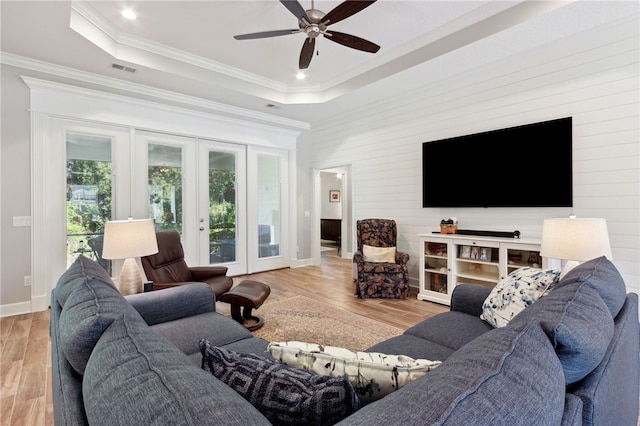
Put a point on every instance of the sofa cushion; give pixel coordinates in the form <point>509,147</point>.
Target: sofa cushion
<point>413,346</point>
<point>88,310</point>
<point>186,332</point>
<point>136,377</point>
<point>578,323</point>
<point>373,375</point>
<point>515,292</point>
<point>507,376</point>
<point>603,276</point>
<point>285,395</point>
<point>467,328</point>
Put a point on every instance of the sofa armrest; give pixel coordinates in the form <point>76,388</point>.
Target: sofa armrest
<point>468,298</point>
<point>173,303</point>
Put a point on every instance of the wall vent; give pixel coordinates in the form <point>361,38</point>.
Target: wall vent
<point>123,68</point>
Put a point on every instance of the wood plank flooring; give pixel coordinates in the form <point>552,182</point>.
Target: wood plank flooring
<point>25,360</point>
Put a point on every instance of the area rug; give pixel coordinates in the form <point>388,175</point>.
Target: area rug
<point>303,319</point>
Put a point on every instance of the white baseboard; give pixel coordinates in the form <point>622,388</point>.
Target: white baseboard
<point>15,309</point>
<point>35,305</point>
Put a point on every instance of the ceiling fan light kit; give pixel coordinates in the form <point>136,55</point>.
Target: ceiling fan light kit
<point>314,22</point>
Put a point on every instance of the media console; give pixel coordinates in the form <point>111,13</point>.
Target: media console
<point>447,260</point>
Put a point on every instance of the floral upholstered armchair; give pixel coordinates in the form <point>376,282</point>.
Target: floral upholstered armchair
<point>382,270</point>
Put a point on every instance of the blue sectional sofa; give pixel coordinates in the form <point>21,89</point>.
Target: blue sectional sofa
<point>571,358</point>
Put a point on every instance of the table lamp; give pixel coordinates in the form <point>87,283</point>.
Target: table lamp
<point>574,240</point>
<point>130,239</point>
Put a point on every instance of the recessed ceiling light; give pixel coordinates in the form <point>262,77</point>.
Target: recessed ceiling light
<point>129,14</point>
<point>300,76</point>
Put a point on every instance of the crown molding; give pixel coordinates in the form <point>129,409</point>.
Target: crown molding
<point>143,90</point>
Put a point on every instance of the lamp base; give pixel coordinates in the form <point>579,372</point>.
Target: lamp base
<point>130,281</point>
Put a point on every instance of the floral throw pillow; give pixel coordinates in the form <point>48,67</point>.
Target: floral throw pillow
<point>518,290</point>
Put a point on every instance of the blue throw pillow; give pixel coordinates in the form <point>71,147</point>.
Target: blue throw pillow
<point>284,395</point>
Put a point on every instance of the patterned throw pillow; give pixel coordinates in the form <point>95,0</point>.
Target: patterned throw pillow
<point>518,290</point>
<point>284,395</point>
<point>372,374</point>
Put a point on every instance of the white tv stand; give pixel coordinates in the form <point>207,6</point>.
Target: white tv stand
<point>449,259</point>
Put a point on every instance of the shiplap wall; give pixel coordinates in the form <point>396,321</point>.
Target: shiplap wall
<point>593,77</point>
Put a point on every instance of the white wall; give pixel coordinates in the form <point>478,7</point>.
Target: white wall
<point>593,77</point>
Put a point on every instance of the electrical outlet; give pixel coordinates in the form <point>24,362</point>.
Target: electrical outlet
<point>27,280</point>
<point>22,221</point>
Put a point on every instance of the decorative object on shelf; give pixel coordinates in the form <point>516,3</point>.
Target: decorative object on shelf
<point>437,249</point>
<point>475,253</point>
<point>334,196</point>
<point>485,254</point>
<point>449,226</point>
<point>574,240</point>
<point>465,252</point>
<point>515,257</point>
<point>130,239</point>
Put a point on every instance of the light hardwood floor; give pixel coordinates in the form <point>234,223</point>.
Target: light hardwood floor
<point>25,361</point>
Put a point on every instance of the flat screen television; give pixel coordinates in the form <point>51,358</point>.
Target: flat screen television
<point>522,166</point>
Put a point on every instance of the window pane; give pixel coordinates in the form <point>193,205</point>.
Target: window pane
<point>88,195</point>
<point>222,207</point>
<point>165,186</point>
<point>268,206</point>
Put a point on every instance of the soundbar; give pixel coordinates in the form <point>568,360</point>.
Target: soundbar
<point>481,233</point>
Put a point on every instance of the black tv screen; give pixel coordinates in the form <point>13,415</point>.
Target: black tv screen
<point>522,166</point>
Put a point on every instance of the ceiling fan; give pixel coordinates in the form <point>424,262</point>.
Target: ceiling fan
<point>314,22</point>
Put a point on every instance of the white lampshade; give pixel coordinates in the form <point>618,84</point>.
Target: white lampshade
<point>130,239</point>
<point>575,239</point>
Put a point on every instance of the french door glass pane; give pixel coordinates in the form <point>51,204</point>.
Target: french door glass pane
<point>165,186</point>
<point>89,195</point>
<point>222,207</point>
<point>268,206</point>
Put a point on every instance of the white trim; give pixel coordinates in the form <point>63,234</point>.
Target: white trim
<point>139,89</point>
<point>17,309</point>
<point>73,101</point>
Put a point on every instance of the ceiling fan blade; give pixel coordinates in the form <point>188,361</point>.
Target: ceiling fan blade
<point>306,54</point>
<point>352,41</point>
<point>265,34</point>
<point>344,10</point>
<point>296,8</point>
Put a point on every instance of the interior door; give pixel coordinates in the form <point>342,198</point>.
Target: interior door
<point>222,205</point>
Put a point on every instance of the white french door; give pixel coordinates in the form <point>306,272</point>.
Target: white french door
<point>228,201</point>
<point>92,184</point>
<point>151,174</point>
<point>268,212</point>
<point>222,205</point>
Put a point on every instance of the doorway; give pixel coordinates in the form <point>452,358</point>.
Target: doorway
<point>333,225</point>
